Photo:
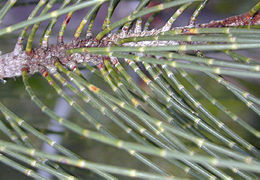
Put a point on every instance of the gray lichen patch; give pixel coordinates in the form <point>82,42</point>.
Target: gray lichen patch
<point>41,59</point>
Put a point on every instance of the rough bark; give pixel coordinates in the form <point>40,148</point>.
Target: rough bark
<point>41,59</point>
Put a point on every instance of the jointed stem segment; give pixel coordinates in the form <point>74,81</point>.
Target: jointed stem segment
<point>147,70</point>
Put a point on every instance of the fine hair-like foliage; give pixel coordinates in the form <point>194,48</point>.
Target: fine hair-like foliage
<point>141,97</point>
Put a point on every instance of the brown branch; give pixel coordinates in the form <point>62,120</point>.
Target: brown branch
<point>235,21</point>
<point>40,59</point>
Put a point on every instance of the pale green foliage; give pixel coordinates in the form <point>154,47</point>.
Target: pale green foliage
<point>190,113</point>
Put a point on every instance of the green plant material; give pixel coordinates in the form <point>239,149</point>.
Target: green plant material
<point>143,103</point>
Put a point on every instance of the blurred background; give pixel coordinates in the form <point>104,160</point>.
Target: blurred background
<point>13,95</point>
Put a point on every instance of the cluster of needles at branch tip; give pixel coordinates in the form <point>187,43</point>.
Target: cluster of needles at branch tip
<point>159,118</point>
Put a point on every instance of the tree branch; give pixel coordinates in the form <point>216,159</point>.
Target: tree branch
<point>40,59</point>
